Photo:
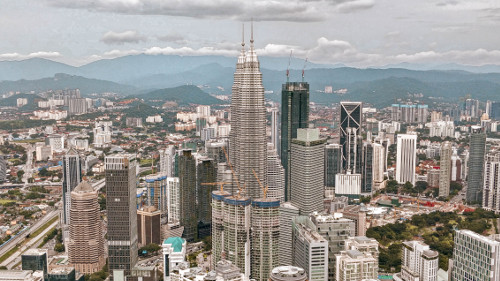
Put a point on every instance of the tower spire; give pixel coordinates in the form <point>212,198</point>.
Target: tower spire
<point>251,35</point>
<point>243,36</point>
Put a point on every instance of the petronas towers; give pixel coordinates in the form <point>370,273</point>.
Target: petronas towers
<point>248,143</point>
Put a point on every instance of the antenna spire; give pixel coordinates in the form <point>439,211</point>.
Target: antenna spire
<point>288,68</point>
<point>303,70</point>
<point>243,35</point>
<point>251,30</point>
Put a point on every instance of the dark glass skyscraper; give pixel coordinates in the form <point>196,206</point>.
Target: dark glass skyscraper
<point>121,185</point>
<point>206,173</point>
<point>294,115</point>
<point>333,164</point>
<point>72,176</point>
<point>367,167</point>
<point>187,183</point>
<point>350,135</point>
<point>477,149</point>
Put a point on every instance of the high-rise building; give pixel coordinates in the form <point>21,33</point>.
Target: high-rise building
<point>3,168</point>
<point>488,108</point>
<point>495,110</point>
<point>287,213</point>
<point>352,265</point>
<point>379,165</point>
<point>157,191</point>
<point>102,133</point>
<point>406,159</point>
<point>218,208</point>
<point>477,149</point>
<point>248,140</point>
<point>36,260</point>
<point>265,234</point>
<point>174,253</point>
<point>348,185</point>
<point>77,106</point>
<point>275,137</point>
<point>356,213</point>
<point>148,226</point>
<point>367,168</point>
<point>121,182</point>
<point>187,187</point>
<point>350,135</point>
<point>310,249</point>
<point>214,150</point>
<point>307,160</point>
<point>475,257</point>
<point>491,191</point>
<point>294,115</point>
<point>410,112</point>
<point>86,241</point>
<point>237,211</point>
<point>72,175</point>
<point>275,175</point>
<point>336,230</point>
<point>456,167</point>
<point>471,108</point>
<point>333,164</point>
<point>206,173</point>
<point>167,161</point>
<point>418,262</point>
<point>445,169</point>
<point>173,200</point>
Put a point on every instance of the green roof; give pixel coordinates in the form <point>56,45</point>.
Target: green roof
<point>176,243</point>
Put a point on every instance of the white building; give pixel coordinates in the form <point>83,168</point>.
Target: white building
<point>491,187</point>
<point>275,174</point>
<point>348,184</point>
<point>154,119</point>
<point>102,133</point>
<point>418,263</point>
<point>287,213</point>
<point>475,257</point>
<point>203,111</point>
<point>22,102</point>
<point>379,165</point>
<point>43,152</point>
<point>441,129</point>
<point>174,253</point>
<point>167,161</point>
<point>56,143</point>
<point>352,265</point>
<point>406,158</point>
<point>173,199</point>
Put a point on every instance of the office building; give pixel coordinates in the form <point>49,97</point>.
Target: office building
<point>275,137</point>
<point>237,211</point>
<point>206,173</point>
<point>56,143</point>
<point>248,140</point>
<point>348,185</point>
<point>174,253</point>
<point>265,234</point>
<point>406,158</point>
<point>288,273</point>
<point>491,183</point>
<point>3,168</point>
<point>367,168</point>
<point>294,115</point>
<point>86,241</point>
<point>418,262</point>
<point>307,160</point>
<point>121,182</point>
<point>148,226</point>
<point>336,230</point>
<point>456,167</point>
<point>352,265</point>
<point>275,175</point>
<point>187,189</point>
<point>364,245</point>
<point>350,135</point>
<point>167,161</point>
<point>356,213</point>
<point>475,257</point>
<point>379,165</point>
<point>156,185</point>
<point>310,249</point>
<point>445,169</point>
<point>72,175</point>
<point>477,149</point>
<point>102,133</point>
<point>36,260</point>
<point>287,213</point>
<point>333,165</point>
<point>218,207</point>
<point>495,111</point>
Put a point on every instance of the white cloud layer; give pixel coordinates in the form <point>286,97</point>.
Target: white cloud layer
<point>260,10</point>
<point>120,38</point>
<point>18,56</point>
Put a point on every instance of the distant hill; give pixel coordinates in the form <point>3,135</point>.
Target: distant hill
<point>32,101</point>
<point>182,95</point>
<point>65,81</point>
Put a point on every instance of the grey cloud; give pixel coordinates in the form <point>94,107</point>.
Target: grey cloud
<point>259,10</point>
<point>173,38</point>
<point>120,38</point>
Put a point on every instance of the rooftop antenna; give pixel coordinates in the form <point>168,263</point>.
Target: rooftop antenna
<point>243,35</point>
<point>288,68</point>
<point>251,33</point>
<point>303,70</point>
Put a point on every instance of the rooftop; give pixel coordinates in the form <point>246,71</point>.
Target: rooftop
<point>176,243</point>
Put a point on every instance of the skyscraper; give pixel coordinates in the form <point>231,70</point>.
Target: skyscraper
<point>491,191</point>
<point>350,134</point>
<point>333,164</point>
<point>206,173</point>
<point>187,183</point>
<point>477,149</point>
<point>275,137</point>
<point>275,175</point>
<point>121,182</point>
<point>379,165</point>
<point>248,140</point>
<point>419,262</point>
<point>86,241</point>
<point>237,212</point>
<point>287,213</point>
<point>445,169</point>
<point>367,168</point>
<point>307,155</point>
<point>218,207</point>
<point>294,115</point>
<point>72,175</point>
<point>265,236</point>
<point>406,159</point>
<point>167,161</point>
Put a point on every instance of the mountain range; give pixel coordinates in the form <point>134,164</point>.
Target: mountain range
<point>140,74</point>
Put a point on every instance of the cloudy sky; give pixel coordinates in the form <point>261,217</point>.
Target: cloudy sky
<point>354,32</point>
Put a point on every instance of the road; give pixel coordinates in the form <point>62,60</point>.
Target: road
<point>19,238</point>
<point>15,258</point>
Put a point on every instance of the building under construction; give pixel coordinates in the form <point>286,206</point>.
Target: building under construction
<point>218,225</point>
<point>157,191</point>
<point>264,237</point>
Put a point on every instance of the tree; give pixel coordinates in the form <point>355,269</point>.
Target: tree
<point>59,247</point>
<point>421,186</point>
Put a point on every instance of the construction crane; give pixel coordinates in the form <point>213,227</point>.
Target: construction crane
<point>304,70</point>
<point>217,183</point>
<point>235,178</point>
<point>264,189</point>
<point>288,68</point>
